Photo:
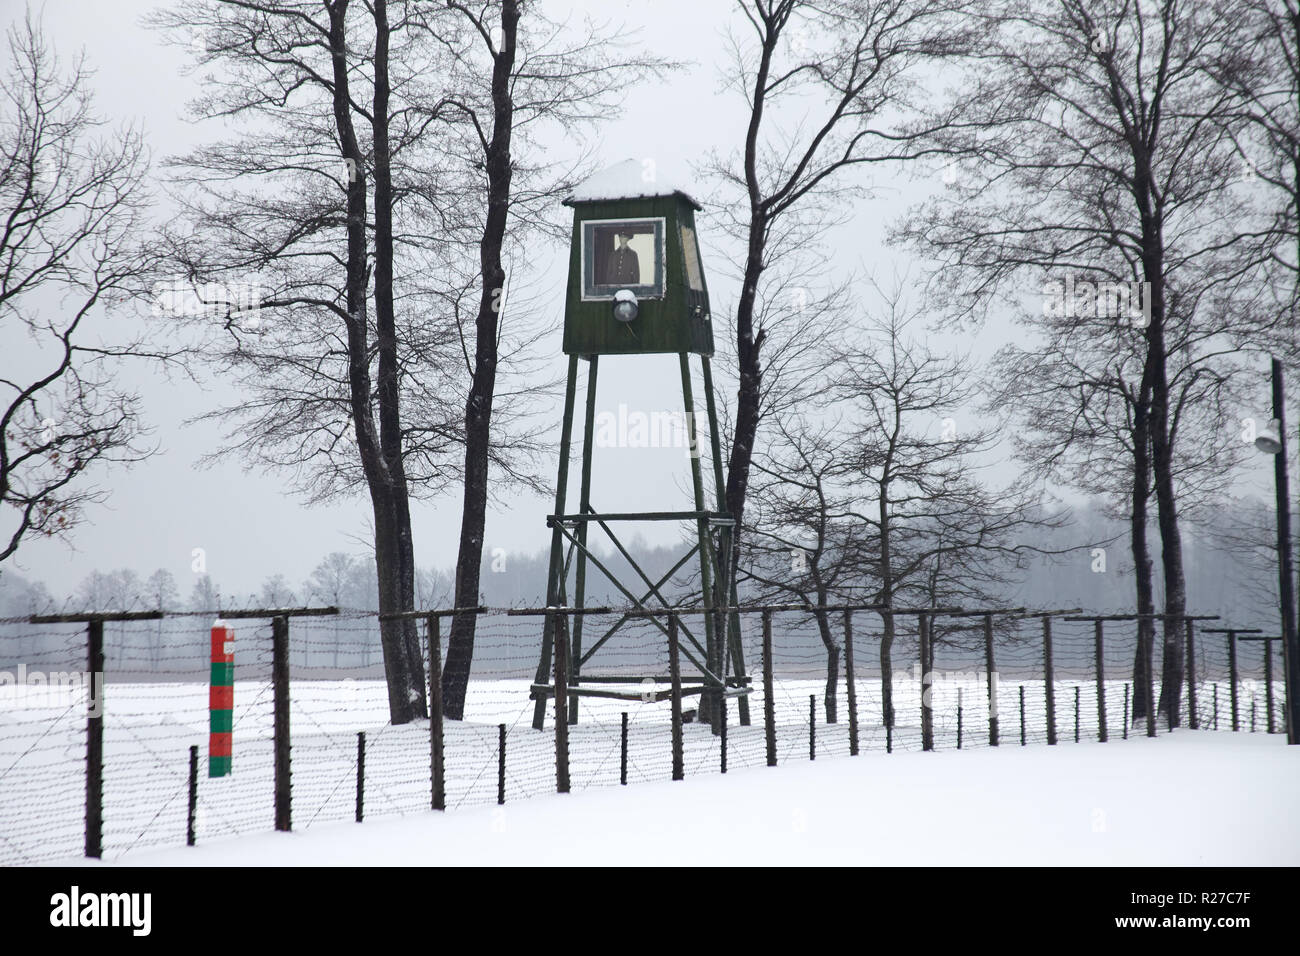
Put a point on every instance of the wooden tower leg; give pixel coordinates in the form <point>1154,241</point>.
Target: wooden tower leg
<point>712,699</point>
<point>584,506</point>
<point>554,579</point>
<point>727,538</point>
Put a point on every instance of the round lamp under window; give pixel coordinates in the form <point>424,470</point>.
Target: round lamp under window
<point>1269,439</point>
<point>625,305</point>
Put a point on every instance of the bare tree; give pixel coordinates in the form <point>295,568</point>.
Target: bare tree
<point>800,545</point>
<point>1080,421</point>
<point>829,87</point>
<point>515,71</point>
<point>1096,148</point>
<point>72,209</point>
<point>276,592</point>
<point>929,527</point>
<point>205,595</point>
<point>1261,72</point>
<point>293,234</point>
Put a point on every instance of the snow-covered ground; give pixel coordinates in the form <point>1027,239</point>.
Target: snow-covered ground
<point>943,799</point>
<point>1186,798</point>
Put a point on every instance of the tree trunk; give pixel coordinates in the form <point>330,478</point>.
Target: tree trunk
<point>832,663</point>
<point>1141,555</point>
<point>887,671</point>
<point>748,346</point>
<point>394,560</point>
<point>1162,452</point>
<point>1171,550</point>
<point>887,582</point>
<point>478,406</point>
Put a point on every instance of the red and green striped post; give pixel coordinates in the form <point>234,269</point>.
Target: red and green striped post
<point>221,699</point>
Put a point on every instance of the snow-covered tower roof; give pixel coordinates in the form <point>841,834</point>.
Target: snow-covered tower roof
<point>629,179</point>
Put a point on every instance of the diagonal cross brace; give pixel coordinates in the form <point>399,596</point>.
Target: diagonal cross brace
<point>627,617</point>
<point>708,675</point>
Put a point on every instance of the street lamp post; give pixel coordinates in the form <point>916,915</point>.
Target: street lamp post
<point>1274,443</point>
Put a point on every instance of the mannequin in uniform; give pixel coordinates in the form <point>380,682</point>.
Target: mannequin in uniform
<point>622,267</point>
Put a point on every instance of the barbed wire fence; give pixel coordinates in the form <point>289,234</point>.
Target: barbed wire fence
<point>104,716</point>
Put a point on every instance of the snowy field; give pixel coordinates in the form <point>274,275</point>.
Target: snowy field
<point>1192,798</point>
<point>149,729</point>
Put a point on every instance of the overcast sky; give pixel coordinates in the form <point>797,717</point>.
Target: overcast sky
<point>248,527</point>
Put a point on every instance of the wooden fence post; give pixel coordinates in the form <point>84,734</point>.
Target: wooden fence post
<point>1076,713</point>
<point>361,775</point>
<point>622,752</point>
<point>192,810</point>
<point>1022,715</point>
<point>1049,680</point>
<point>992,676</point>
<point>1149,689</point>
<point>722,739</point>
<point>850,684</point>
<point>560,627</point>
<point>1232,675</point>
<point>769,704</point>
<point>959,718</point>
<point>1126,686</point>
<point>437,769</point>
<point>1101,681</point>
<point>280,693</point>
<point>812,726</point>
<point>1268,683</point>
<point>501,764</point>
<point>1193,719</point>
<point>675,675</point>
<point>927,678</point>
<point>95,739</point>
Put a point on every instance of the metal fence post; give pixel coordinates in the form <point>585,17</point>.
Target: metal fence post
<point>280,692</point>
<point>1126,689</point>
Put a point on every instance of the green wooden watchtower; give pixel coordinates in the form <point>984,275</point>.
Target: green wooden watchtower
<point>636,287</point>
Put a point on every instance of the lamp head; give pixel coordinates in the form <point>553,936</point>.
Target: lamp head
<point>1269,439</point>
<point>625,305</point>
